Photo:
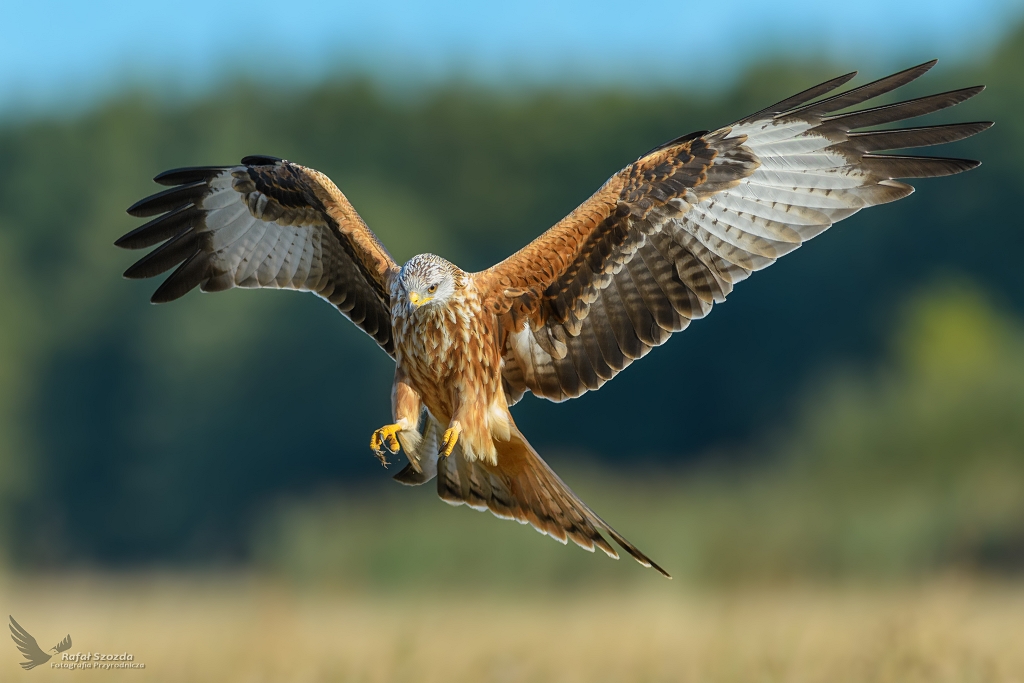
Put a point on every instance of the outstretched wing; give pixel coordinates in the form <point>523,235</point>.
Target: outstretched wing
<point>64,645</point>
<point>264,223</point>
<point>669,235</point>
<point>28,646</point>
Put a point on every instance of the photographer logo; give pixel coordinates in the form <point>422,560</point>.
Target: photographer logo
<point>34,655</point>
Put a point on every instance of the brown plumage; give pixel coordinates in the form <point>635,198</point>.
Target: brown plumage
<point>654,248</point>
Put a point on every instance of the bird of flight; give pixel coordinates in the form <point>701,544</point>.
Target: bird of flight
<point>30,649</point>
<point>655,247</point>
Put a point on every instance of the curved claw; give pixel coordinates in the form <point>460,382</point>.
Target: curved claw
<point>450,438</point>
<point>385,438</point>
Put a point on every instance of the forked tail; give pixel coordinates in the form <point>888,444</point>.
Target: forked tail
<point>521,487</point>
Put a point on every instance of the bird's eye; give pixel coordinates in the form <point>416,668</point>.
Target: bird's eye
<point>432,288</point>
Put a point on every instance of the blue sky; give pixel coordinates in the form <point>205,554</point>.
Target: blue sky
<point>55,52</point>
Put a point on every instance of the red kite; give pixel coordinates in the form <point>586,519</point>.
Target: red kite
<point>655,247</point>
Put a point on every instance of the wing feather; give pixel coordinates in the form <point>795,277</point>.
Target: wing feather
<point>671,234</point>
<point>266,223</point>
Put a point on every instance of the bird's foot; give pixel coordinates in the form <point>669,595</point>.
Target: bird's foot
<point>450,438</point>
<point>385,438</point>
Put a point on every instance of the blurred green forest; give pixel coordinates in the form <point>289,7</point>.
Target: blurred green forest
<point>858,408</point>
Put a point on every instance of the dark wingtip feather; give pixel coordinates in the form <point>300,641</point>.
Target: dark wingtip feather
<point>865,92</point>
<point>159,229</point>
<point>187,277</point>
<point>907,138</point>
<point>804,96</point>
<point>187,175</point>
<point>897,166</point>
<point>261,160</point>
<point>167,200</point>
<point>901,111</point>
<point>164,257</point>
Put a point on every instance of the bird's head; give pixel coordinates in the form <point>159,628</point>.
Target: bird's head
<point>427,281</point>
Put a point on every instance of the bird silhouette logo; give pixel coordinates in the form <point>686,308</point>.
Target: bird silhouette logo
<point>30,648</point>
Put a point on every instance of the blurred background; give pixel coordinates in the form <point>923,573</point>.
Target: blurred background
<point>850,422</point>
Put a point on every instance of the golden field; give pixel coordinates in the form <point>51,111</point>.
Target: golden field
<point>234,628</point>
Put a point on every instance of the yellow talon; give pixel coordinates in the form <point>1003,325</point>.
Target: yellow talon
<point>450,438</point>
<point>385,438</point>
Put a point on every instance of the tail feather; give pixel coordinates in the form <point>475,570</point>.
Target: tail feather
<point>521,486</point>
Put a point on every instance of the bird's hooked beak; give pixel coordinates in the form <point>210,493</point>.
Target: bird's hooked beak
<point>416,300</point>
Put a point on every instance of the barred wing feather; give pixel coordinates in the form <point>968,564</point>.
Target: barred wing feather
<point>671,234</point>
<point>266,223</point>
